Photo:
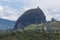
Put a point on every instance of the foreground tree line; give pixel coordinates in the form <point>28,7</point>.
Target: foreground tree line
<point>47,31</point>
<point>29,35</point>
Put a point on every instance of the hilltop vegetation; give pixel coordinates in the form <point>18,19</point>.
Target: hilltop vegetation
<point>50,25</point>
<point>30,35</point>
<point>33,32</point>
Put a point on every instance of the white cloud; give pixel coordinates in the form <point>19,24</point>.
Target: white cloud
<point>53,5</point>
<point>45,5</point>
<point>9,0</point>
<point>35,3</point>
<point>1,8</point>
<point>13,14</point>
<point>9,13</point>
<point>52,13</point>
<point>41,3</point>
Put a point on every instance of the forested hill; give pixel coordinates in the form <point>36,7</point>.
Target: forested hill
<point>6,24</point>
<point>34,32</point>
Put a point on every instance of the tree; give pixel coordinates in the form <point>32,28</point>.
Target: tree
<point>53,20</point>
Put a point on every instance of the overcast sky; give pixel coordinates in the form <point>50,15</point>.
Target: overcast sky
<point>12,9</point>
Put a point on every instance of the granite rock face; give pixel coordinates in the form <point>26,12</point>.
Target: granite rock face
<point>32,16</point>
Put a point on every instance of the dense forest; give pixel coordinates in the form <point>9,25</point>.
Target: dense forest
<point>33,32</point>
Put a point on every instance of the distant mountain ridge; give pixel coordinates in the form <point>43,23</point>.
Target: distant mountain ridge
<point>6,24</point>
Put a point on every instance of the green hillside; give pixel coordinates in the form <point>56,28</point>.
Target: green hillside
<point>47,25</point>
<point>30,35</point>
<point>33,32</point>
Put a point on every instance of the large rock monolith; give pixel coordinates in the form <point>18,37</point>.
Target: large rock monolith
<point>32,16</point>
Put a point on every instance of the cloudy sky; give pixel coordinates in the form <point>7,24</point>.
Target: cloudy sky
<point>12,9</point>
